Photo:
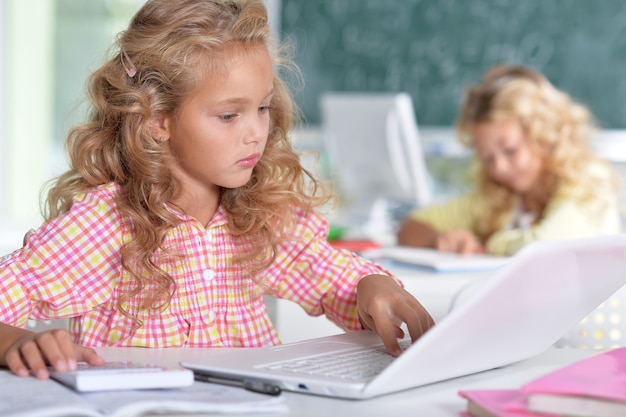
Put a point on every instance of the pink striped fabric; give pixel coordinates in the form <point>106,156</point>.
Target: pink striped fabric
<point>71,267</point>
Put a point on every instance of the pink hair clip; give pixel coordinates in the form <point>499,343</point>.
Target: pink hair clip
<point>131,70</point>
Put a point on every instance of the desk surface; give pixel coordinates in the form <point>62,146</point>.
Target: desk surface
<point>435,400</point>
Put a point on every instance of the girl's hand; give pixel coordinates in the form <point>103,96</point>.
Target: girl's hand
<point>383,306</point>
<point>459,241</point>
<point>35,351</point>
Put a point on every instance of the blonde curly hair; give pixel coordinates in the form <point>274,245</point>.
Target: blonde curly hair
<point>556,127</point>
<point>170,45</point>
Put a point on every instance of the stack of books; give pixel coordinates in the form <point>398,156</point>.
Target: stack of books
<point>592,387</point>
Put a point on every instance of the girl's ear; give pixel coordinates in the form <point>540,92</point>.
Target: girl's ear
<point>159,128</point>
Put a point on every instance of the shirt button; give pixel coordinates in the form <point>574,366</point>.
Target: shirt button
<point>208,274</point>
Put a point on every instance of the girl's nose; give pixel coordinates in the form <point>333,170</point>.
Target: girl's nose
<point>256,129</point>
<point>500,165</point>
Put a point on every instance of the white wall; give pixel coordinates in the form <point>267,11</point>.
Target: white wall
<point>3,133</point>
<point>26,137</point>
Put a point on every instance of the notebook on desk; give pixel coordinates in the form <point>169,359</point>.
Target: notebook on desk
<point>442,261</point>
<point>522,309</point>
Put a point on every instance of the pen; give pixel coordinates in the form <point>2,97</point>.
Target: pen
<point>261,387</point>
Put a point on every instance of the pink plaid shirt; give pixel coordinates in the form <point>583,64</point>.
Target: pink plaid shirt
<point>71,267</point>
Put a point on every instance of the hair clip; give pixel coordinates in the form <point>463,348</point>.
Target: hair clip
<point>131,70</point>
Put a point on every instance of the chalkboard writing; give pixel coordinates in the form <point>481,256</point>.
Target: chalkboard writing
<point>434,49</point>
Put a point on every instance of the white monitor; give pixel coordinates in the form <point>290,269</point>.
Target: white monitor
<point>374,150</point>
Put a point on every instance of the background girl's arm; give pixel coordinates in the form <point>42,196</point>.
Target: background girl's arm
<point>424,227</point>
<point>563,219</point>
<point>417,233</point>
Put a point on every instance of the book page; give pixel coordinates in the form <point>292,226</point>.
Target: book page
<point>30,397</point>
<point>199,398</point>
<point>443,261</point>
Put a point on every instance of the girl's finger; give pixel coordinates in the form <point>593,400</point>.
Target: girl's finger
<point>34,361</point>
<point>15,363</point>
<point>60,352</point>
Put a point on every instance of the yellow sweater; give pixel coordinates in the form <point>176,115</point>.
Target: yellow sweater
<point>563,218</point>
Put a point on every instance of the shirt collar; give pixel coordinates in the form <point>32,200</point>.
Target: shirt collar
<point>218,219</point>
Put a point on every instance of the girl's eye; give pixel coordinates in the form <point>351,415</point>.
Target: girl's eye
<point>264,109</point>
<point>488,160</point>
<point>227,117</point>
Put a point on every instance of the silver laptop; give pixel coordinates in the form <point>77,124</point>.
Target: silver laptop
<point>522,309</point>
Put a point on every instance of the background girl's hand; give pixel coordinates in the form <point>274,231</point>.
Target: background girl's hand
<point>459,241</point>
<point>383,306</point>
<point>35,351</point>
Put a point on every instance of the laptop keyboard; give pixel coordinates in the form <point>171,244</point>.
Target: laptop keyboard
<point>351,365</point>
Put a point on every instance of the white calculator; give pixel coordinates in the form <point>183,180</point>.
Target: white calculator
<point>122,376</point>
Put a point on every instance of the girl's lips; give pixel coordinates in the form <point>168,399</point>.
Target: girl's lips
<point>249,161</point>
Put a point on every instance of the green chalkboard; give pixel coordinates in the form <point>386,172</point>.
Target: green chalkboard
<point>433,49</point>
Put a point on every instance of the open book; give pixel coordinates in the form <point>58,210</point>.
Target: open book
<point>30,397</point>
<point>442,261</point>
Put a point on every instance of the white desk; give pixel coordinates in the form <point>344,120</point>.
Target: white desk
<point>438,293</point>
<point>435,400</point>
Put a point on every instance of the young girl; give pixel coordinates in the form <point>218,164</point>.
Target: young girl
<point>537,178</point>
<point>184,204</point>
